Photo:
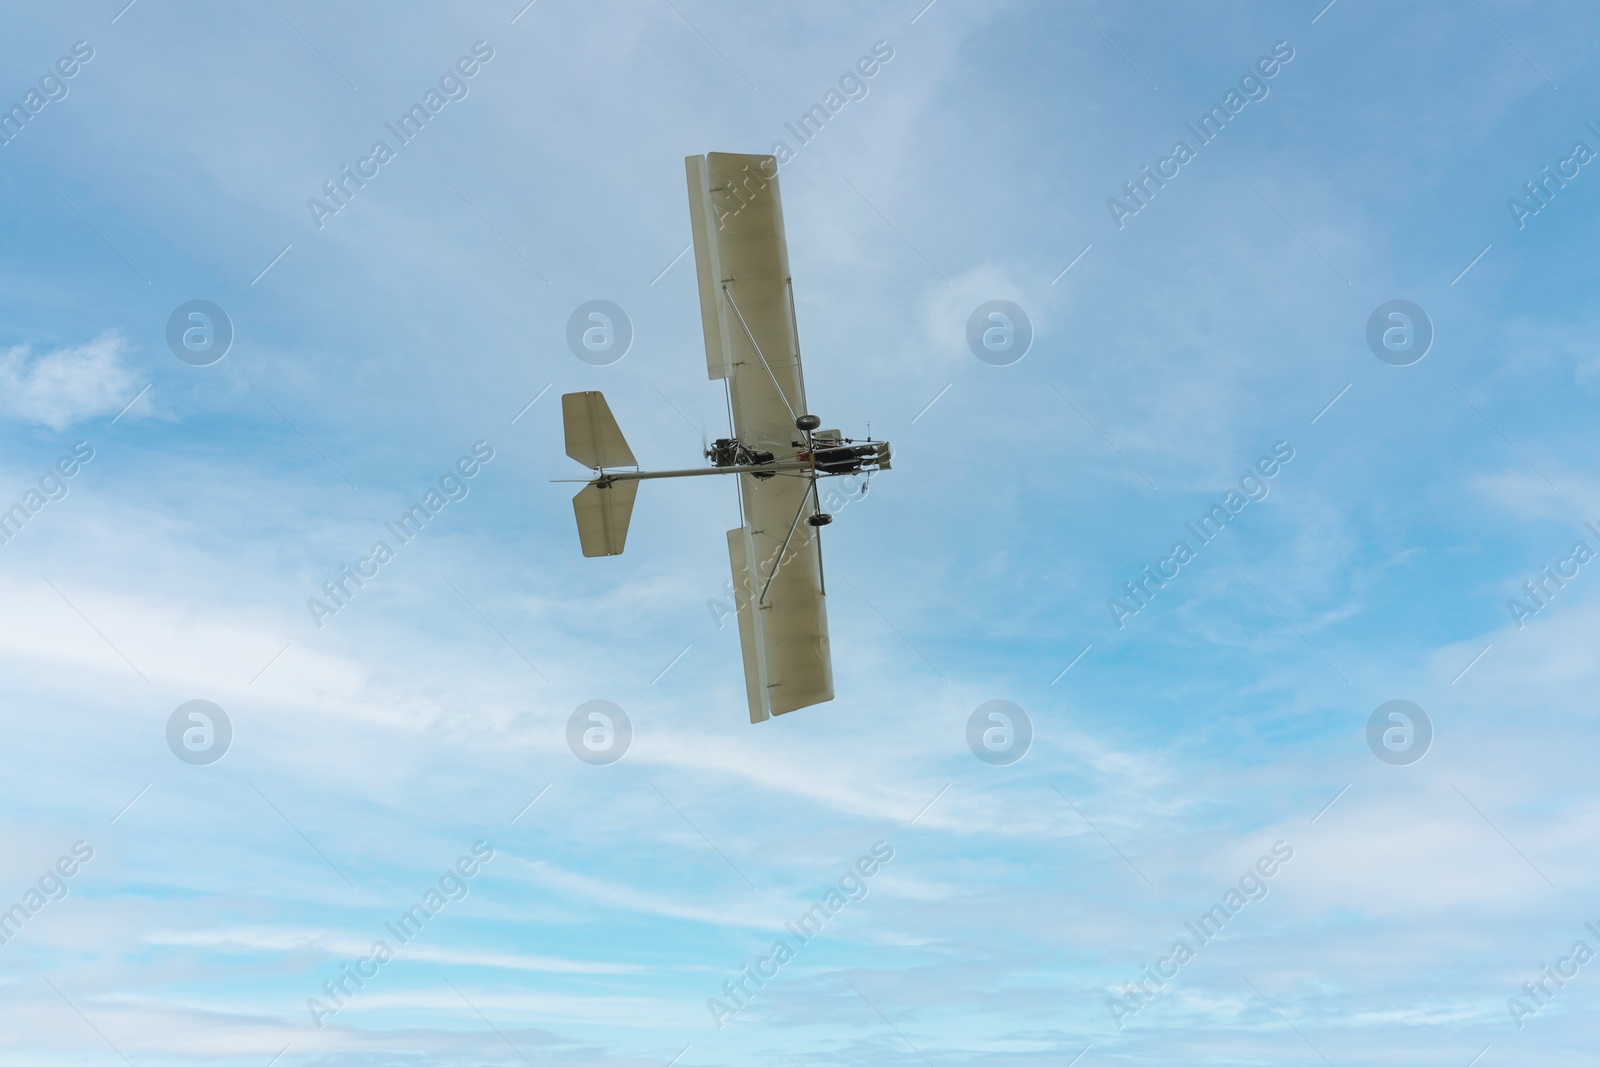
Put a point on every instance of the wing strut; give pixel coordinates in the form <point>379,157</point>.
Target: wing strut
<point>764,363</point>
<point>822,579</point>
<point>777,560</point>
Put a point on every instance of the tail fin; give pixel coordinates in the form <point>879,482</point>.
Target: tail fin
<point>593,437</point>
<point>603,511</point>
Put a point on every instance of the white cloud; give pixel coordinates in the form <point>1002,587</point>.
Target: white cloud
<point>65,386</point>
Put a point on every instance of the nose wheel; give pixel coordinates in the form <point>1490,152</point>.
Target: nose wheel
<point>820,519</point>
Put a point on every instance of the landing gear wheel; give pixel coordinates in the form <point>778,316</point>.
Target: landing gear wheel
<point>807,423</point>
<point>819,519</point>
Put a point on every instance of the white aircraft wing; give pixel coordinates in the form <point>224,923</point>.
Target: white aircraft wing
<point>747,309</point>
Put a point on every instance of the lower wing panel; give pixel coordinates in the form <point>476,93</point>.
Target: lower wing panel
<point>784,633</point>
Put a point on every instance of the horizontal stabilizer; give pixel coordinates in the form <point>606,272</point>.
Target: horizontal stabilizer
<point>593,436</point>
<point>603,513</point>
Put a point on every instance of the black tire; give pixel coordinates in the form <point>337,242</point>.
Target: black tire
<point>819,519</point>
<point>807,423</point>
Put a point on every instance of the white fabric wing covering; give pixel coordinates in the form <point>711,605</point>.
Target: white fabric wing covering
<point>746,305</point>
<point>593,437</point>
<point>603,513</point>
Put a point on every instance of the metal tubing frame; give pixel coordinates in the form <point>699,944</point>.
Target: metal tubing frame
<point>762,357</point>
<point>783,466</point>
<point>777,561</point>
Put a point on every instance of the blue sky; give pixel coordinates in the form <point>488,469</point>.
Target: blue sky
<point>1227,316</point>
